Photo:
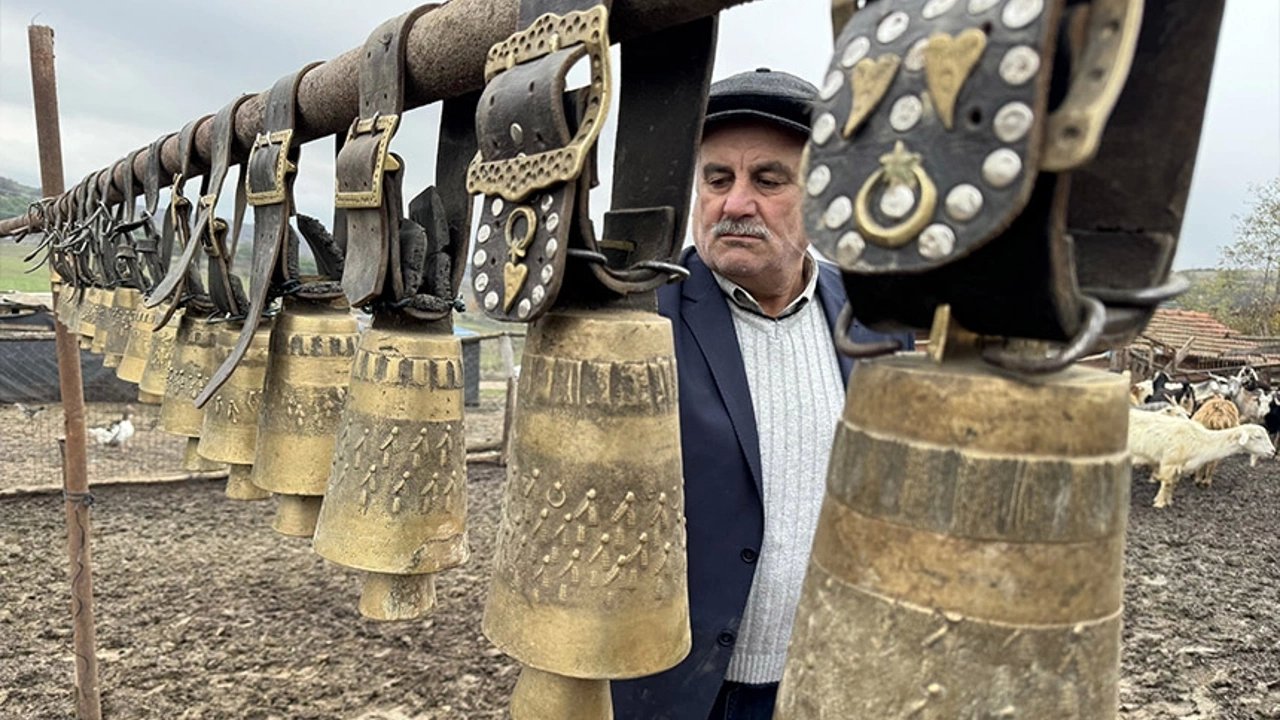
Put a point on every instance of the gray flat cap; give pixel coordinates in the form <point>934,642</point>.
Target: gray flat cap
<point>768,95</point>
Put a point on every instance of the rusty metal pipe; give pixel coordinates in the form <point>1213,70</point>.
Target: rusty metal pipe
<point>445,58</point>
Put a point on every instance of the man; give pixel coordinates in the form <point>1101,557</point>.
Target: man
<point>761,390</point>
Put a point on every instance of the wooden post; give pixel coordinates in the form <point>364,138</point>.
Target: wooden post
<point>75,475</point>
<point>509,410</point>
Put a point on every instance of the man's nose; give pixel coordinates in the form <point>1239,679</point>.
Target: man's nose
<point>740,201</point>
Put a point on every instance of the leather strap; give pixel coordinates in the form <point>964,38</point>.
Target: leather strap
<point>537,160</point>
<point>368,176</point>
<point>270,172</point>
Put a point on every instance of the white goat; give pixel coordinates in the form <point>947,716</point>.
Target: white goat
<point>1174,446</point>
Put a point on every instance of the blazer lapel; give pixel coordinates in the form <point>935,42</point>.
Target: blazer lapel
<point>706,313</point>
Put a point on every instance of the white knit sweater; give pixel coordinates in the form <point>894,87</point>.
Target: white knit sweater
<point>797,394</point>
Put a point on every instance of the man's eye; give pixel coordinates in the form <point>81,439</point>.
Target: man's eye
<point>719,181</point>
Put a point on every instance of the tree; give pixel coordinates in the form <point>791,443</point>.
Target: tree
<point>1252,262</point>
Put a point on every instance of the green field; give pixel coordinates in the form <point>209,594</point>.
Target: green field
<point>13,275</point>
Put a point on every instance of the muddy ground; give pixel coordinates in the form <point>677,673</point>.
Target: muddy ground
<point>204,612</point>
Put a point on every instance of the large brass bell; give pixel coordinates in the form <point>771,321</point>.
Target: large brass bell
<point>230,431</point>
<point>89,317</point>
<point>105,324</point>
<point>138,346</point>
<point>395,506</point>
<point>968,558</point>
<point>308,369</point>
<point>123,314</point>
<point>159,355</point>
<point>589,577</point>
<point>192,363</point>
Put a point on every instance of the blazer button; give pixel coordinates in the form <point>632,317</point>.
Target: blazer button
<point>749,556</point>
<point>726,638</point>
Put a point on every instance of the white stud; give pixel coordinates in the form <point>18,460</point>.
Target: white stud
<point>1013,121</point>
<point>1019,65</point>
<point>892,27</point>
<point>823,128</point>
<point>855,51</point>
<point>553,222</point>
<point>483,234</point>
<point>906,112</point>
<point>849,249</point>
<point>964,202</point>
<point>897,201</point>
<point>1001,167</point>
<point>482,282</point>
<point>1021,13</point>
<point>546,202</point>
<point>539,294</point>
<point>981,6</point>
<point>937,241</point>
<point>934,8</point>
<point>818,180</point>
<point>552,246</point>
<point>496,207</point>
<point>547,273</point>
<point>834,82</point>
<point>838,212</point>
<point>480,257</point>
<point>915,56</point>
<point>491,301</point>
<point>523,308</point>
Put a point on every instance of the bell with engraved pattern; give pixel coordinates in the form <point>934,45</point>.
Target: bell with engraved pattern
<point>83,316</point>
<point>192,363</point>
<point>159,356</point>
<point>230,431</point>
<point>91,318</point>
<point>124,315</point>
<point>589,578</point>
<point>138,345</point>
<point>396,502</point>
<point>308,371</point>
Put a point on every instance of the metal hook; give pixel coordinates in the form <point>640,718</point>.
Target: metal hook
<point>857,350</point>
<point>1094,322</point>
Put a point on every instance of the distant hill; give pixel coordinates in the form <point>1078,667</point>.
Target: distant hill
<point>15,197</point>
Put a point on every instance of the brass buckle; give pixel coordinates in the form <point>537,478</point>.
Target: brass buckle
<point>514,178</point>
<point>274,194</point>
<point>371,198</point>
<point>1075,128</point>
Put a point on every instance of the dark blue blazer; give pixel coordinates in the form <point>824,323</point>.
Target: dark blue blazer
<point>722,487</point>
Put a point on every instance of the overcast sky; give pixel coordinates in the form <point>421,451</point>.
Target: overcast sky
<point>128,72</point>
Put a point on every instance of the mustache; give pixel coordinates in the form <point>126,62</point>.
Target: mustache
<point>741,227</point>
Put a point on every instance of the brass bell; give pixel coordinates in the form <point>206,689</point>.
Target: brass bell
<point>308,369</point>
<point>159,353</point>
<point>125,301</point>
<point>138,347</point>
<point>129,367</point>
<point>396,502</point>
<point>589,576</point>
<point>192,363</point>
<point>969,554</point>
<point>105,323</point>
<point>230,431</point>
<point>90,312</point>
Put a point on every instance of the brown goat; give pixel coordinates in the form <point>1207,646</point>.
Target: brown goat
<point>1216,414</point>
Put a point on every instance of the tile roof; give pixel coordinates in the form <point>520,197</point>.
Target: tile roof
<point>1212,339</point>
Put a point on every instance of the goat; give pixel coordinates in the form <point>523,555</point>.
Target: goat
<point>1216,414</point>
<point>1163,407</point>
<point>1178,393</point>
<point>1174,446</point>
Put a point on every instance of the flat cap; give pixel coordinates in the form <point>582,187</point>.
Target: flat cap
<point>768,95</point>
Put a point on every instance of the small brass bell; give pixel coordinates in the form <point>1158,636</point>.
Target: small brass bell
<point>396,502</point>
<point>104,325</point>
<point>589,576</point>
<point>308,370</point>
<point>123,313</point>
<point>90,313</point>
<point>192,363</point>
<point>138,348</point>
<point>230,431</point>
<point>159,353</point>
<point>969,554</point>
<point>128,367</point>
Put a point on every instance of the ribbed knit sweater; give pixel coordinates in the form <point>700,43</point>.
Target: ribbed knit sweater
<point>797,394</point>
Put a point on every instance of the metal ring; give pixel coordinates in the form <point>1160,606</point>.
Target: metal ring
<point>1094,322</point>
<point>1141,297</point>
<point>590,256</point>
<point>857,350</point>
